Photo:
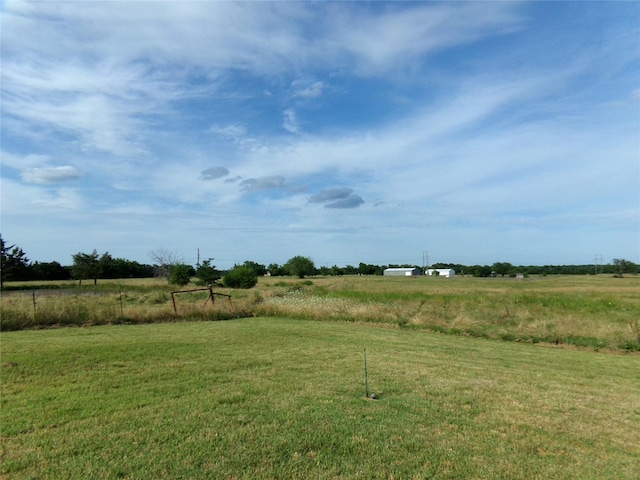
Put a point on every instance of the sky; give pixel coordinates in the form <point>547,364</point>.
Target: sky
<point>347,132</point>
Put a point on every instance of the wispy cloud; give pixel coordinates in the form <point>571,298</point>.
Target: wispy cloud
<point>400,37</point>
<point>45,175</point>
<point>214,173</point>
<point>469,116</point>
<point>351,201</point>
<point>234,131</point>
<point>290,121</point>
<point>337,197</point>
<point>303,89</point>
<point>331,194</point>
<point>262,183</point>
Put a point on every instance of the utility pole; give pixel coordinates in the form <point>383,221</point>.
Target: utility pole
<point>597,260</point>
<point>198,261</point>
<point>425,261</point>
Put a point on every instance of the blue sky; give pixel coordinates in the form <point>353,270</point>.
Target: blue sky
<point>346,132</point>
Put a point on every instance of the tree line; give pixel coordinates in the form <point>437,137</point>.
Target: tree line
<point>15,266</point>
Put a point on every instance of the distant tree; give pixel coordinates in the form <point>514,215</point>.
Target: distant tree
<point>349,270</point>
<point>502,268</point>
<point>108,266</point>
<point>85,266</point>
<point>260,270</point>
<point>365,269</point>
<point>14,264</point>
<point>324,271</point>
<point>622,266</point>
<point>123,268</point>
<point>240,276</point>
<point>49,271</point>
<point>276,270</point>
<point>164,260</point>
<point>300,266</point>
<point>207,273</point>
<point>480,270</point>
<point>181,274</point>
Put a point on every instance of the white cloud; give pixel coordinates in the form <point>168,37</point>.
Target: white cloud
<point>233,131</point>
<point>307,89</point>
<point>264,38</point>
<point>399,37</point>
<point>22,202</point>
<point>31,160</point>
<point>290,121</point>
<point>45,175</point>
<point>63,198</point>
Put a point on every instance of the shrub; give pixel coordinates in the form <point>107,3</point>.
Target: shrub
<point>180,274</point>
<point>240,276</point>
<point>207,273</point>
<point>300,266</point>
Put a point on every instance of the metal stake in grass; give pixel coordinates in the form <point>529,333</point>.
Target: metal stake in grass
<point>366,375</point>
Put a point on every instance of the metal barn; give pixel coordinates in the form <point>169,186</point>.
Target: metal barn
<point>442,272</point>
<point>402,272</point>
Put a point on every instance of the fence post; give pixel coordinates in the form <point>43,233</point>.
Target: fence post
<point>173,299</point>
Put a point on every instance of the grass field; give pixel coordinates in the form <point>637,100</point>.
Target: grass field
<point>284,398</point>
<point>596,312</point>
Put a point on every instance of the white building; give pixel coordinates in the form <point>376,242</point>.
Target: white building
<point>402,272</point>
<point>442,272</point>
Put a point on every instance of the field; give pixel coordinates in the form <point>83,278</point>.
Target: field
<point>474,378</point>
<point>285,398</point>
<point>595,312</point>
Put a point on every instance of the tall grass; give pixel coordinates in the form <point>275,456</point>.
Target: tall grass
<point>588,311</point>
<point>97,307</point>
<point>595,312</point>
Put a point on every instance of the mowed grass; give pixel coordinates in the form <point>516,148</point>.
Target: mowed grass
<point>284,398</point>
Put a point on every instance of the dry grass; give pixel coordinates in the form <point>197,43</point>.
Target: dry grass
<point>587,311</point>
<point>597,312</point>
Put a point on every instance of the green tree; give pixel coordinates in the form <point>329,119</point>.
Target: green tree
<point>276,270</point>
<point>49,271</point>
<point>181,274</point>
<point>107,266</point>
<point>502,268</point>
<point>259,269</point>
<point>85,266</point>
<point>622,266</point>
<point>240,276</point>
<point>300,266</point>
<point>14,264</point>
<point>207,273</point>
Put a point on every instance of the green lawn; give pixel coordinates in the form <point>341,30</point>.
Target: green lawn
<point>283,398</point>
